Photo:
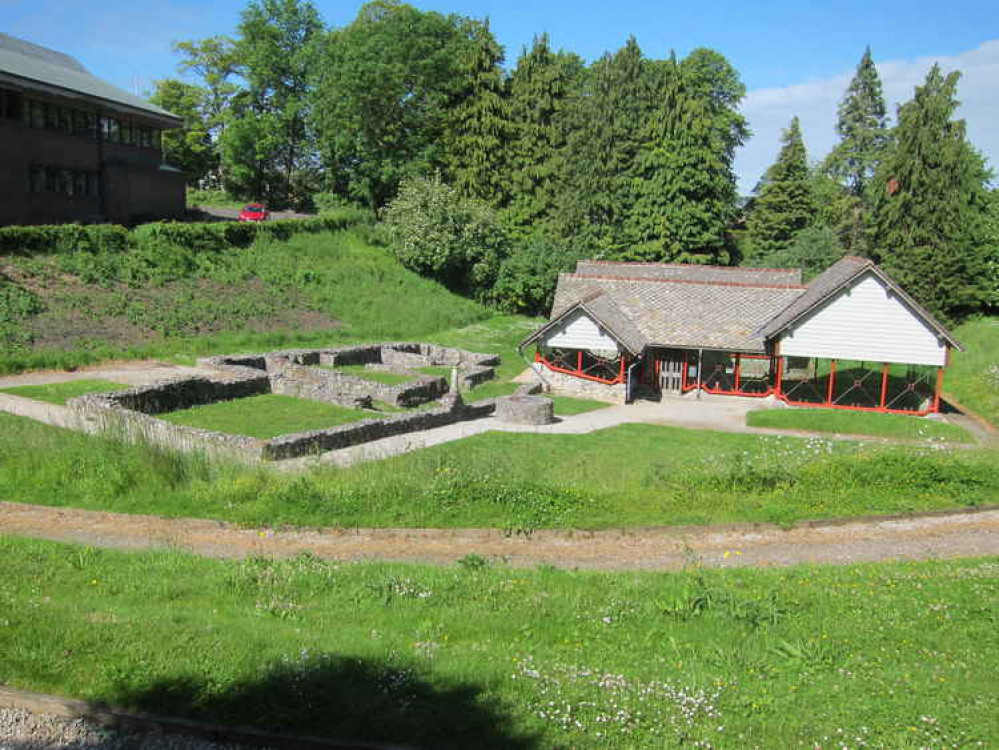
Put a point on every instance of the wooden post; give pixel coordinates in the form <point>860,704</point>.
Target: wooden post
<point>738,365</point>
<point>884,384</point>
<point>621,376</point>
<point>936,393</point>
<point>832,382</point>
<point>579,361</point>
<point>780,374</point>
<point>700,374</point>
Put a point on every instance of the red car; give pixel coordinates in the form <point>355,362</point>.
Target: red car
<point>254,212</point>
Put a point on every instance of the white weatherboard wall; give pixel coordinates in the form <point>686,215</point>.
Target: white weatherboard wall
<point>579,331</point>
<point>865,322</point>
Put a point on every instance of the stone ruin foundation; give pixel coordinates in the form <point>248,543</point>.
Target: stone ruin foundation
<point>309,374</point>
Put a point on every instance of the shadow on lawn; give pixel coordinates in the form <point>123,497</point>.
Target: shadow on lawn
<point>338,699</point>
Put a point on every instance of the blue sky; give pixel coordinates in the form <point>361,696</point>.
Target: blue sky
<point>795,57</point>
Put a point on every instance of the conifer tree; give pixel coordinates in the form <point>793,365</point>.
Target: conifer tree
<point>478,128</point>
<point>862,125</point>
<point>930,211</point>
<point>784,203</point>
<point>685,186</point>
<point>540,87</point>
<point>863,129</point>
<point>608,118</point>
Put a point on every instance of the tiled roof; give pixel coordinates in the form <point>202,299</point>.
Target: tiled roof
<point>684,313</point>
<point>33,63</point>
<point>689,272</point>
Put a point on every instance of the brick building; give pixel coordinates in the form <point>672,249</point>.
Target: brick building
<point>75,148</point>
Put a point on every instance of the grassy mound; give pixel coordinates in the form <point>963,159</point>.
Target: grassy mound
<point>973,376</point>
<point>171,302</point>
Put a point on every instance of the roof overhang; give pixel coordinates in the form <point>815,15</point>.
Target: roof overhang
<point>164,120</point>
<point>582,306</point>
<point>772,332</point>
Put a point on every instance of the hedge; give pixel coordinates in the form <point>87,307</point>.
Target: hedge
<point>72,238</point>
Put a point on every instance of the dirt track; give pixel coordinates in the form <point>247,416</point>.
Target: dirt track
<point>957,534</point>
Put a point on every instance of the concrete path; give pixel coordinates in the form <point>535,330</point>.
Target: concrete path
<point>915,537</point>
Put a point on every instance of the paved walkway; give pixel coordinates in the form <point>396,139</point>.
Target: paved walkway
<point>917,537</point>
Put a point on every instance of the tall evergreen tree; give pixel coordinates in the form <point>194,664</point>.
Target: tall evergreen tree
<point>930,212</point>
<point>608,121</point>
<point>686,187</point>
<point>540,88</point>
<point>478,129</point>
<point>784,202</point>
<point>862,125</point>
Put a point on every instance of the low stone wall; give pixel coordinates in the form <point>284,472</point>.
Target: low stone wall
<point>171,395</point>
<point>103,415</point>
<point>572,386</point>
<point>451,411</point>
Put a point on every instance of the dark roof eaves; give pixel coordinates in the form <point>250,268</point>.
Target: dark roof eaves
<point>158,113</point>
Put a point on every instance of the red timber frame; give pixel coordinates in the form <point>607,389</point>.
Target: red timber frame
<point>855,386</point>
<point>584,364</point>
<point>714,376</point>
<point>850,385</point>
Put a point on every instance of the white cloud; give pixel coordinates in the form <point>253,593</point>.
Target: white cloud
<point>815,103</point>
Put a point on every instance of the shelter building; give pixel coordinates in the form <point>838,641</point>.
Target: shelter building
<point>850,339</point>
<point>75,148</point>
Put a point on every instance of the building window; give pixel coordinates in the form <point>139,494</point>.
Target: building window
<point>11,104</point>
<point>46,179</point>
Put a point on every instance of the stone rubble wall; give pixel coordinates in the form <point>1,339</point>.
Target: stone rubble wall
<point>572,386</point>
<point>451,411</point>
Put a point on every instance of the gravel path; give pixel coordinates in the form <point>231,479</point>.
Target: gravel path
<point>21,730</point>
<point>918,537</point>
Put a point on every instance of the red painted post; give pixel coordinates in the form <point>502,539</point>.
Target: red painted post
<point>780,373</point>
<point>884,384</point>
<point>832,382</point>
<point>936,393</point>
<point>579,361</point>
<point>683,375</point>
<point>621,376</point>
<point>738,366</point>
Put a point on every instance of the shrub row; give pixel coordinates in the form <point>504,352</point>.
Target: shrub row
<point>73,238</point>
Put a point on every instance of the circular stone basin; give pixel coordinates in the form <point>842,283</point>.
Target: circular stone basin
<point>525,410</point>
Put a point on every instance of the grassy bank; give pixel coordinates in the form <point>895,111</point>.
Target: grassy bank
<point>973,376</point>
<point>69,310</point>
<point>633,475</point>
<point>60,393</point>
<point>857,423</point>
<point>893,655</point>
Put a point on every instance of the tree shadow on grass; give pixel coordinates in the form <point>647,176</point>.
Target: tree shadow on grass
<point>337,698</point>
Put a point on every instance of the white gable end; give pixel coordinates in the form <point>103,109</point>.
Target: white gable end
<point>865,322</point>
<point>580,331</point>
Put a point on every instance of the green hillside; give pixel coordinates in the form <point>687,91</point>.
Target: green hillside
<point>160,300</point>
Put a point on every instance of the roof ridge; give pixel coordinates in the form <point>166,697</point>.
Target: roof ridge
<point>646,264</point>
<point>698,282</point>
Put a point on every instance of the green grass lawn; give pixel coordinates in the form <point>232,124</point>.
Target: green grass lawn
<point>60,393</point>
<point>973,376</point>
<point>567,406</point>
<point>632,475</point>
<point>439,371</point>
<point>857,423</point>
<point>266,416</point>
<point>900,655</point>
<point>360,371</point>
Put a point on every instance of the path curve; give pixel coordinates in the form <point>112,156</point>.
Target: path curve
<point>966,533</point>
